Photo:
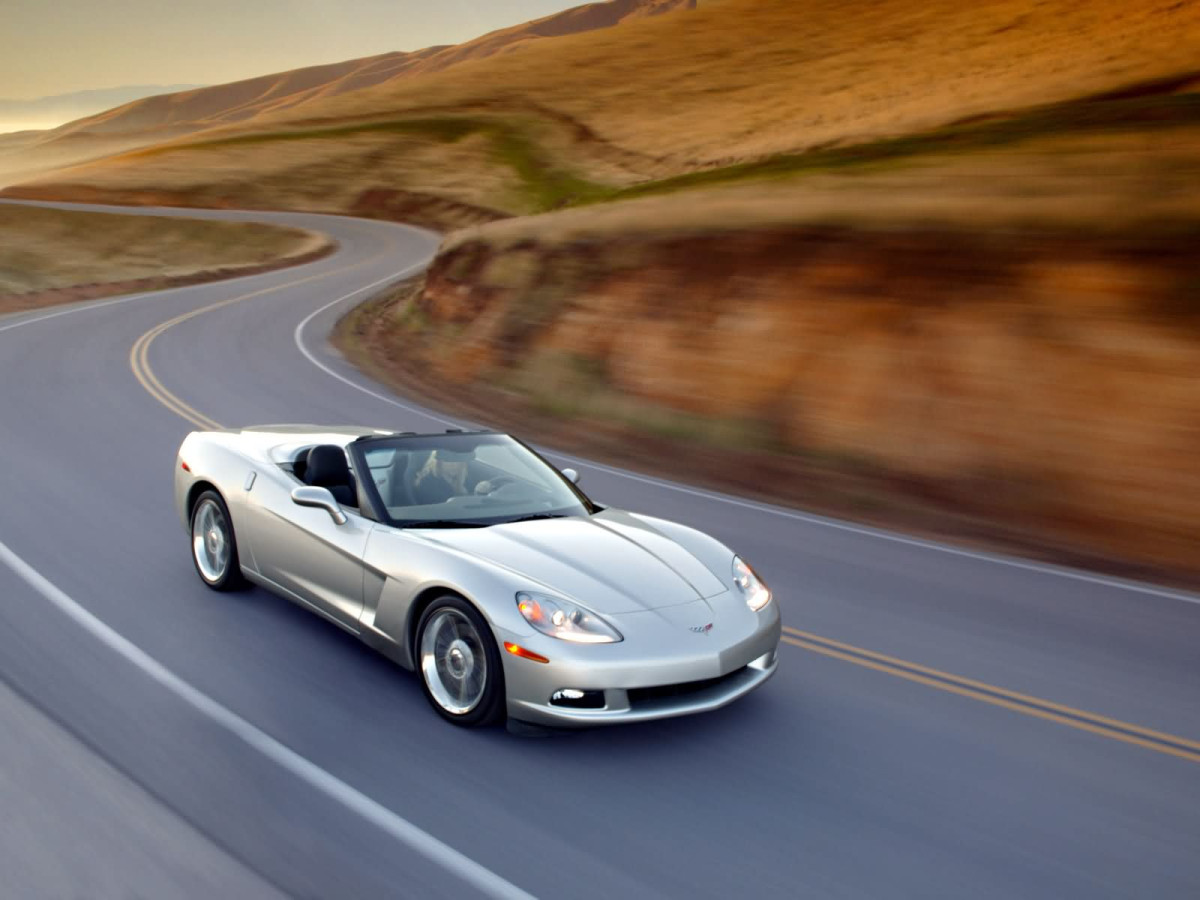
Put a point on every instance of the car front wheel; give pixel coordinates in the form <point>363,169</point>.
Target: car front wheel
<point>214,550</point>
<point>460,668</point>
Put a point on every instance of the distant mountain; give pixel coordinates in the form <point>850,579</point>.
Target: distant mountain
<point>50,112</point>
<point>164,117</point>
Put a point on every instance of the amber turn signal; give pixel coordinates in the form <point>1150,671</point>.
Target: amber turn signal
<point>516,650</point>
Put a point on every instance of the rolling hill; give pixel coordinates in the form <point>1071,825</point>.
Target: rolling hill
<point>575,117</point>
<point>44,113</point>
<point>162,117</point>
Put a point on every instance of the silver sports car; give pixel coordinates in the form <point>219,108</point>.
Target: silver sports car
<point>469,558</point>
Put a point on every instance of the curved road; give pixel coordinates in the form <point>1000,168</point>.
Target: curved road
<point>944,723</point>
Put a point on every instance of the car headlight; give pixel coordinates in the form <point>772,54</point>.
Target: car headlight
<point>566,620</point>
<point>757,594</point>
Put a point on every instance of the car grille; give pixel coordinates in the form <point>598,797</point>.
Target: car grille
<point>678,691</point>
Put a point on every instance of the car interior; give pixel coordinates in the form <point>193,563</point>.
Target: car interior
<point>325,465</point>
<point>394,472</point>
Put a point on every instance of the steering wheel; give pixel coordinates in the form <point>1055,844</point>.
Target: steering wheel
<point>489,486</point>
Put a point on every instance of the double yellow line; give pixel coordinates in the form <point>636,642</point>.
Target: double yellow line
<point>139,354</point>
<point>1028,705</point>
<point>1025,704</point>
<point>139,362</point>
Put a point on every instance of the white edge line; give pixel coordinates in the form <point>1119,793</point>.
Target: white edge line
<point>412,836</point>
<point>74,308</point>
<point>298,336</point>
<point>809,518</point>
<point>483,879</point>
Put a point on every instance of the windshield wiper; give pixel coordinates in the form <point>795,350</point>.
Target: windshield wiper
<point>443,523</point>
<point>535,516</point>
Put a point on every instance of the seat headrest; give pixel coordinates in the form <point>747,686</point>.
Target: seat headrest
<point>327,466</point>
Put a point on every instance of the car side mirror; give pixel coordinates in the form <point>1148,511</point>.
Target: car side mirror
<point>319,498</point>
<point>571,475</point>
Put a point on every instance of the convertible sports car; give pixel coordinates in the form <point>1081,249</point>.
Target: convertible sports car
<point>469,558</point>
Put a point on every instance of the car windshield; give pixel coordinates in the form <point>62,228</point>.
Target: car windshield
<point>463,480</point>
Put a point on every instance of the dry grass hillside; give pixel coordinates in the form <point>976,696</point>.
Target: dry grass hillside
<point>163,117</point>
<point>990,331</point>
<point>577,118</point>
<point>211,106</point>
<point>112,254</point>
<point>748,78</point>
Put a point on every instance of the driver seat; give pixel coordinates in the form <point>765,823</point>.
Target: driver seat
<point>326,467</point>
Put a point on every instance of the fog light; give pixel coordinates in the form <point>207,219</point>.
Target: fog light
<point>573,698</point>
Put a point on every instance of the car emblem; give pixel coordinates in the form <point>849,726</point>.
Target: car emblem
<point>701,629</point>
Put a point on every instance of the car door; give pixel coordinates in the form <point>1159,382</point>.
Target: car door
<point>302,550</point>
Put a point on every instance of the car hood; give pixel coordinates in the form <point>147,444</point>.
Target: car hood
<point>611,562</point>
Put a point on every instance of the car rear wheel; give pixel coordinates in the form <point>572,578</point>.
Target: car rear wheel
<point>460,668</point>
<point>214,549</point>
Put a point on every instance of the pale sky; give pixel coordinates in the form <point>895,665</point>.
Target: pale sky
<point>59,46</point>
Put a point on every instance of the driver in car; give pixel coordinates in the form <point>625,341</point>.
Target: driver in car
<point>447,474</point>
<point>443,476</point>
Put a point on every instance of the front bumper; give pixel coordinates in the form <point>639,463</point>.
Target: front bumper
<point>661,702</point>
<point>640,688</point>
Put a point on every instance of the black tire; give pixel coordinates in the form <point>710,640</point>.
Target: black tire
<point>224,572</point>
<point>491,706</point>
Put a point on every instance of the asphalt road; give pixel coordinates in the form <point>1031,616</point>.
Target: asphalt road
<point>943,723</point>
